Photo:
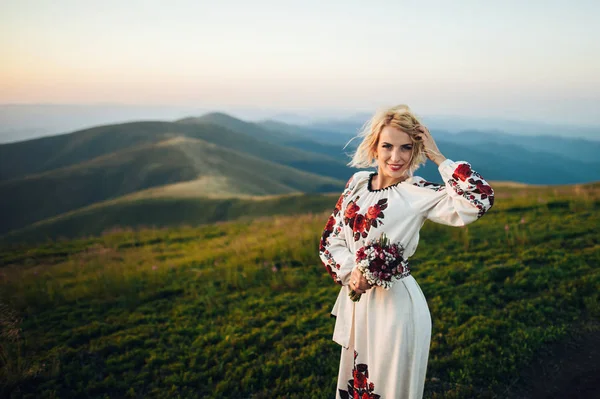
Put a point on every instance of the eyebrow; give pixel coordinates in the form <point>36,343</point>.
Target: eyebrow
<point>385,142</point>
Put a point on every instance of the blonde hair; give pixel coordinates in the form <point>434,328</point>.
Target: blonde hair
<point>399,117</point>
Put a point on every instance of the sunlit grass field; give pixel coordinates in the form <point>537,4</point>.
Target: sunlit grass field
<point>241,309</point>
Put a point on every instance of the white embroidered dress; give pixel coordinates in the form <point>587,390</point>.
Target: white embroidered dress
<point>385,336</point>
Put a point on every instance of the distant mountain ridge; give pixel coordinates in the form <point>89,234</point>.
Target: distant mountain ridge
<point>219,155</point>
<point>45,177</point>
<point>47,153</point>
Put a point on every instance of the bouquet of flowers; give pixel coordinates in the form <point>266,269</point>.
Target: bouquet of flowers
<point>381,263</point>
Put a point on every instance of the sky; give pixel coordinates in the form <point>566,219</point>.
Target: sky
<point>535,60</point>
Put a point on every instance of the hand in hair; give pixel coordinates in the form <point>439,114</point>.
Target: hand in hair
<point>431,149</point>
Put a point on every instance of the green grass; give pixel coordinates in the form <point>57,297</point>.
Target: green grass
<point>165,212</point>
<point>241,309</point>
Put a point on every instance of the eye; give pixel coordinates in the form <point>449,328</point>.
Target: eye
<point>407,146</point>
<point>387,146</point>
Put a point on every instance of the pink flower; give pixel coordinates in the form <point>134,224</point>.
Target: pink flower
<point>154,267</point>
<point>506,227</point>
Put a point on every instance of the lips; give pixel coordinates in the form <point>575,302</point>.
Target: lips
<point>395,167</point>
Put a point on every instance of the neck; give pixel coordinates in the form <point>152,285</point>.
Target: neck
<point>382,181</point>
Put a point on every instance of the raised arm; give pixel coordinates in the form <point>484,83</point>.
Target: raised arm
<point>464,197</point>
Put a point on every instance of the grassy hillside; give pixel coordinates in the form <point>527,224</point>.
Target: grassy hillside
<point>164,211</point>
<point>27,200</point>
<point>240,310</point>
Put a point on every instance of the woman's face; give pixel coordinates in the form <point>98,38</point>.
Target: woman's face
<point>394,153</point>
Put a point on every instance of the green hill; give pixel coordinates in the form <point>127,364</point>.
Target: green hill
<point>241,309</point>
<point>286,147</point>
<point>36,197</point>
<point>21,159</point>
<point>240,126</point>
<point>48,153</point>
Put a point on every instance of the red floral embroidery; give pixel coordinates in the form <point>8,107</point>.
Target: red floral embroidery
<point>351,211</point>
<point>330,224</point>
<point>429,185</point>
<point>373,211</point>
<point>361,224</point>
<point>359,386</point>
<point>338,206</point>
<point>462,172</point>
<point>333,227</point>
<point>330,264</point>
<point>484,188</point>
<point>468,184</point>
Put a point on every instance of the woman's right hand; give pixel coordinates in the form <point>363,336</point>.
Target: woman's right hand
<point>358,282</point>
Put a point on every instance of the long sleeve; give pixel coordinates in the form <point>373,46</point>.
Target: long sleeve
<point>464,197</point>
<point>333,249</point>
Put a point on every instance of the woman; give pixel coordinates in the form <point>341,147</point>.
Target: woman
<point>385,336</point>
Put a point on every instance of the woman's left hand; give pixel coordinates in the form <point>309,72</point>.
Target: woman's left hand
<point>431,149</point>
<point>358,282</point>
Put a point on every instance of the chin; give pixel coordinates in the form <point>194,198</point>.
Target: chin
<point>397,173</point>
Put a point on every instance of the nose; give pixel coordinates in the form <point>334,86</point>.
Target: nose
<point>396,156</point>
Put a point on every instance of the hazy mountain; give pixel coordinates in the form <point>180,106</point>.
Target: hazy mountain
<point>455,124</point>
<point>514,127</point>
<point>35,197</point>
<point>25,121</point>
<point>507,162</point>
<point>217,155</point>
<point>38,155</point>
<point>312,133</point>
<point>576,149</point>
<point>565,148</point>
<point>238,125</point>
<point>281,146</point>
<point>48,153</point>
